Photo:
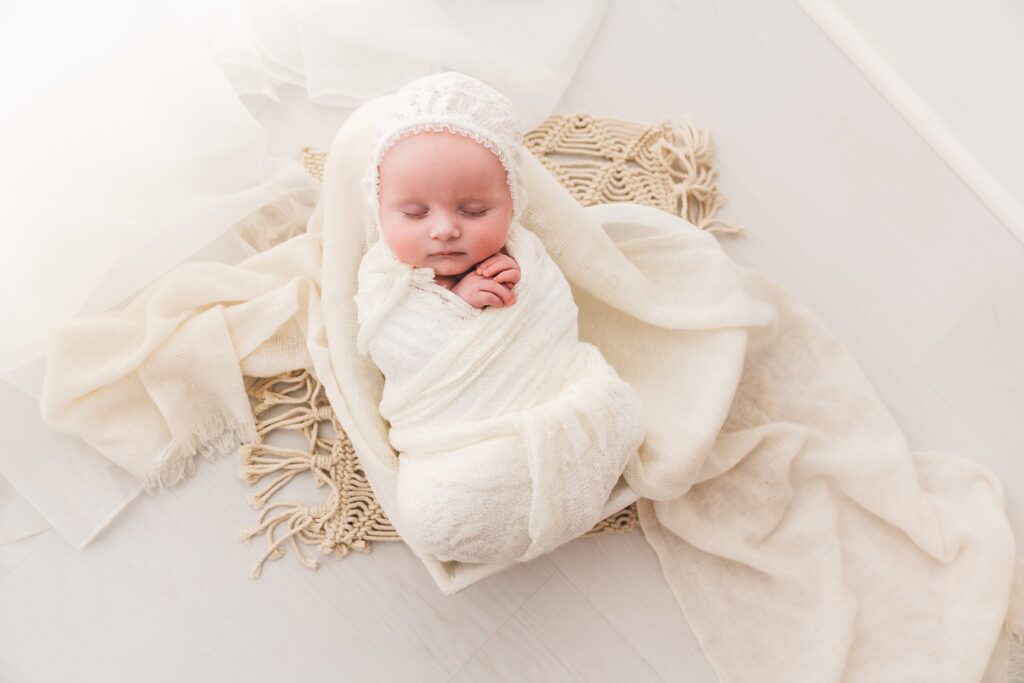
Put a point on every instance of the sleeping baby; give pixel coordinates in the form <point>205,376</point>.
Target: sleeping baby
<point>510,431</point>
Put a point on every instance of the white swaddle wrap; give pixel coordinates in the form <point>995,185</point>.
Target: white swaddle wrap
<point>510,431</point>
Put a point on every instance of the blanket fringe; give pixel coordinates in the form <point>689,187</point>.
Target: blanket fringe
<point>1013,627</point>
<point>212,436</point>
<point>349,518</point>
<point>307,520</point>
<point>687,154</point>
<point>1014,662</point>
<point>1014,623</point>
<point>259,460</point>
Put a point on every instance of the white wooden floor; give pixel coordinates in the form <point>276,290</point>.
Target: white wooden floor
<point>844,204</point>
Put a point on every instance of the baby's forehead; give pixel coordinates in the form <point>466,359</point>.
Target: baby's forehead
<point>424,145</point>
<point>439,155</point>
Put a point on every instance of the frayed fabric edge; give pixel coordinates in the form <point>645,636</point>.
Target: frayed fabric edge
<point>1013,624</point>
<point>209,438</point>
<point>1006,664</point>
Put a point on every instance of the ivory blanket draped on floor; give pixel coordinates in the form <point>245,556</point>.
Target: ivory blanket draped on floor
<point>802,537</point>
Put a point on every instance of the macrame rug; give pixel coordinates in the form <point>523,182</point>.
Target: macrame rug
<point>599,160</point>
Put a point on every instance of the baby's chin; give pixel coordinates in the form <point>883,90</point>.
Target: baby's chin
<point>448,266</point>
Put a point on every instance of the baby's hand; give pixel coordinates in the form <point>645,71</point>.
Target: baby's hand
<point>479,291</point>
<point>501,268</point>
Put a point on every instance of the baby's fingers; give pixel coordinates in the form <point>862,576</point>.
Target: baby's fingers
<point>488,299</point>
<point>501,291</point>
<point>510,276</point>
<point>493,264</point>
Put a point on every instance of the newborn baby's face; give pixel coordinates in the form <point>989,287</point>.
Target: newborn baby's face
<point>444,201</point>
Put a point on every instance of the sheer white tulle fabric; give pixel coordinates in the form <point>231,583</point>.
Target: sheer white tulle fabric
<point>346,53</point>
<point>140,137</point>
<point>129,157</point>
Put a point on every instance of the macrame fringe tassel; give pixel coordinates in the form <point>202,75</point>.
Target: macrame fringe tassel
<point>687,154</point>
<point>350,517</point>
<point>259,460</point>
<point>301,519</point>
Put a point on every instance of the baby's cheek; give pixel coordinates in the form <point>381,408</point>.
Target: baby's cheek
<point>404,246</point>
<point>492,237</point>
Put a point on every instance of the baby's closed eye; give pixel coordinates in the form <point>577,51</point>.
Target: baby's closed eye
<point>418,216</point>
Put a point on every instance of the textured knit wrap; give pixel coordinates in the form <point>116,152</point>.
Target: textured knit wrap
<point>510,431</point>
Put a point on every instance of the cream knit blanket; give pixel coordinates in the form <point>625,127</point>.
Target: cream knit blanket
<point>802,537</point>
<point>510,431</point>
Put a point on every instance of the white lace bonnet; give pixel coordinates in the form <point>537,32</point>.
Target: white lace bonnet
<point>463,105</point>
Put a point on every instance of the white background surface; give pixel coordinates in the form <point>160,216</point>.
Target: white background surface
<point>965,61</point>
<point>844,203</point>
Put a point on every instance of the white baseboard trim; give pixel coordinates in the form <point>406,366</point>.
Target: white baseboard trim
<point>917,113</point>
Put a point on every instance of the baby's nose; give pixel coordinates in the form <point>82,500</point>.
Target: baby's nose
<point>444,228</point>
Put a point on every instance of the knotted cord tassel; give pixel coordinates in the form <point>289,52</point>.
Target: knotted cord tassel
<point>259,460</point>
<point>301,419</point>
<point>686,154</point>
<point>320,464</point>
<point>304,417</point>
<point>295,380</point>
<point>332,526</point>
<point>299,518</point>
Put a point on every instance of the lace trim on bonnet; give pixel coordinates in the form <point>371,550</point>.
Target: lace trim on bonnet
<point>460,104</point>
